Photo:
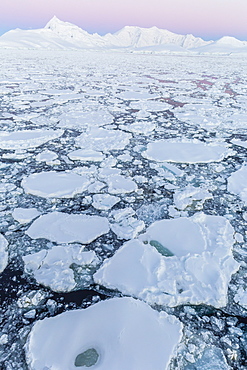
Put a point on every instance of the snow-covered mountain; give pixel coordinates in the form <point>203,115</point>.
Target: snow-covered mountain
<point>64,35</point>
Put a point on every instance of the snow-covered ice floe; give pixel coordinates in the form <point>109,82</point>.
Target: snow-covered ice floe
<point>237,183</point>
<point>119,333</point>
<point>3,253</point>
<point>25,215</point>
<point>53,268</point>
<point>68,228</point>
<point>100,139</point>
<point>177,261</point>
<point>64,184</point>
<point>26,139</point>
<point>86,155</point>
<point>185,152</point>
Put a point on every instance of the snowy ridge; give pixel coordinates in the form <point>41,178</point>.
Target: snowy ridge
<point>64,35</point>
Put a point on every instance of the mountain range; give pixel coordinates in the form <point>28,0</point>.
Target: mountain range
<point>64,35</point>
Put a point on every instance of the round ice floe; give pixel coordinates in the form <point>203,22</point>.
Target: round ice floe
<point>180,261</point>
<point>68,228</point>
<point>119,333</point>
<point>3,253</point>
<point>86,155</point>
<point>185,152</point>
<point>103,140</point>
<point>55,184</point>
<point>25,215</point>
<point>237,183</point>
<point>27,138</point>
<point>52,268</point>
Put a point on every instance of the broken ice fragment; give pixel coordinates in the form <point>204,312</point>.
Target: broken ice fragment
<point>68,228</point>
<point>237,183</point>
<point>25,215</point>
<point>86,155</point>
<point>3,253</point>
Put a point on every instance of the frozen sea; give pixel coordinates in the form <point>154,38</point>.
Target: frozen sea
<point>123,211</point>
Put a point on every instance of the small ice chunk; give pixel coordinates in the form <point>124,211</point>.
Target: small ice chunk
<point>26,139</point>
<point>68,228</point>
<point>122,333</point>
<point>52,268</point>
<point>3,253</point>
<point>54,184</point>
<point>212,358</point>
<point>237,183</point>
<point>239,143</point>
<point>124,225</point>
<point>100,139</point>
<point>118,184</point>
<point>46,156</point>
<point>140,127</point>
<point>104,202</point>
<point>190,196</point>
<point>185,152</point>
<point>25,215</point>
<point>86,155</point>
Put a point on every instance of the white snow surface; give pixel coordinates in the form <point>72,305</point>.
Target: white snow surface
<point>126,333</point>
<point>3,253</point>
<point>86,155</point>
<point>185,152</point>
<point>52,268</point>
<point>26,139</point>
<point>197,271</point>
<point>53,184</point>
<point>68,228</point>
<point>237,183</point>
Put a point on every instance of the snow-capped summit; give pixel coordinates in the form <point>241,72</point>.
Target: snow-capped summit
<point>58,34</point>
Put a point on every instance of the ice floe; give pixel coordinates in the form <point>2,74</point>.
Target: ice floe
<point>53,268</point>
<point>185,152</point>
<point>3,253</point>
<point>86,155</point>
<point>191,197</point>
<point>63,184</point>
<point>118,184</point>
<point>26,139</point>
<point>119,333</point>
<point>104,202</point>
<point>68,228</point>
<point>124,224</point>
<point>25,215</point>
<point>100,139</point>
<point>180,261</point>
<point>237,183</point>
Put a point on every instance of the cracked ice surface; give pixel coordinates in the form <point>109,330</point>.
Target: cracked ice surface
<point>126,333</point>
<point>53,268</point>
<point>196,270</point>
<point>68,228</point>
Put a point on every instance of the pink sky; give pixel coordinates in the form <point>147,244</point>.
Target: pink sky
<point>209,19</point>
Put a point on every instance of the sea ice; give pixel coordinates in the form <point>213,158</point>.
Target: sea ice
<point>237,183</point>
<point>86,155</point>
<point>3,253</point>
<point>191,196</point>
<point>100,139</point>
<point>180,261</point>
<point>64,184</point>
<point>68,228</point>
<point>104,202</point>
<point>47,156</point>
<point>53,268</point>
<point>124,225</point>
<point>25,215</point>
<point>119,333</point>
<point>26,139</point>
<point>185,152</point>
<point>118,184</point>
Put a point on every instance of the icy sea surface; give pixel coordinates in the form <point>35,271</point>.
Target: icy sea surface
<point>123,211</point>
